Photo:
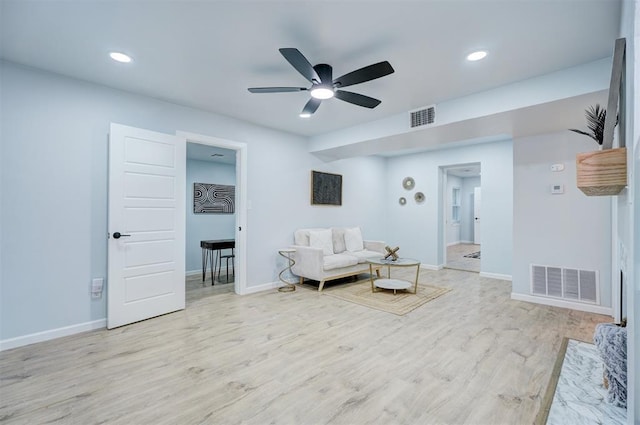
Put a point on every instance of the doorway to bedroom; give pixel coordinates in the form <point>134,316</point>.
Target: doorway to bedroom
<point>211,175</point>
<point>462,202</point>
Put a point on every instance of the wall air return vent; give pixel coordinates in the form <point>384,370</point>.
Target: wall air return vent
<point>567,284</point>
<point>423,116</point>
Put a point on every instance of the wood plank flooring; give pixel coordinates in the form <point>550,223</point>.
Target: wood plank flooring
<point>456,257</point>
<point>472,356</point>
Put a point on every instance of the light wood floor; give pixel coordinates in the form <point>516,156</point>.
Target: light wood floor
<point>196,289</point>
<point>472,356</point>
<point>456,257</point>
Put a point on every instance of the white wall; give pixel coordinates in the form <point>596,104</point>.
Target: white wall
<point>54,133</point>
<point>628,218</point>
<point>206,226</point>
<point>415,227</point>
<point>468,219</point>
<point>569,230</point>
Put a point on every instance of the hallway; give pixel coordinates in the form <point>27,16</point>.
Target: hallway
<point>456,257</point>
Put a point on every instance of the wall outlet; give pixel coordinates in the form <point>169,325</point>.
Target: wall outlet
<point>97,285</point>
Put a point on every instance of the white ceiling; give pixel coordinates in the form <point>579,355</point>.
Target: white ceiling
<point>210,153</point>
<point>205,54</point>
<point>465,170</point>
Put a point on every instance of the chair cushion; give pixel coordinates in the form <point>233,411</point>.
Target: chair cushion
<point>353,239</point>
<point>364,254</point>
<point>321,239</point>
<point>337,261</point>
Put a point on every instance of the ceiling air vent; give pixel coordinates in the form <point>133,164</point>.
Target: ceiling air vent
<point>423,116</point>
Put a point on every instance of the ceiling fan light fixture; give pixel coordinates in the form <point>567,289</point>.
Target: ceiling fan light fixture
<point>322,92</point>
<point>120,57</point>
<point>476,56</point>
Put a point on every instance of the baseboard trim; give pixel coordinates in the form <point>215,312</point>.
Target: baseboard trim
<point>590,308</point>
<point>431,267</point>
<point>261,288</point>
<point>223,270</point>
<point>496,276</point>
<point>21,341</point>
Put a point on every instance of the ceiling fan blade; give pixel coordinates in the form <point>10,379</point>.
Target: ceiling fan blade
<point>311,106</point>
<point>300,63</point>
<point>361,75</point>
<point>275,89</point>
<point>357,99</point>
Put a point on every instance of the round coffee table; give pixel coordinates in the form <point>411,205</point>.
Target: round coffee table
<point>388,282</point>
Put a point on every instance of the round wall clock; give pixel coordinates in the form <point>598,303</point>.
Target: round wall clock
<point>408,183</point>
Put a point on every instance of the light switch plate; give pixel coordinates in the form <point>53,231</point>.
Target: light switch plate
<point>557,167</point>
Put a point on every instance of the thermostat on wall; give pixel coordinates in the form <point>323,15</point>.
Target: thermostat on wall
<point>557,189</point>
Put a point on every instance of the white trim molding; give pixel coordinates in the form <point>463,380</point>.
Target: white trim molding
<point>590,308</point>
<point>431,267</point>
<point>242,201</point>
<point>496,276</point>
<point>33,338</point>
<point>264,287</point>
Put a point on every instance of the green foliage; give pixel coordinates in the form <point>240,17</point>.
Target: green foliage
<point>596,117</point>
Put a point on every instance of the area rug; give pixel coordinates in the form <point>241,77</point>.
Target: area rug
<point>473,255</point>
<point>402,303</point>
<point>576,394</point>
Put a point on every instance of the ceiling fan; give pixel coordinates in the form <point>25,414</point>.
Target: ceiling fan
<point>323,86</point>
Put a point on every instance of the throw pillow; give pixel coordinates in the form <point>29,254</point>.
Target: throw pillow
<point>353,239</point>
<point>321,239</point>
<point>338,240</point>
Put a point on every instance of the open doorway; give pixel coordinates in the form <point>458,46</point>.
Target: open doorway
<point>210,215</point>
<point>462,202</point>
<point>229,159</point>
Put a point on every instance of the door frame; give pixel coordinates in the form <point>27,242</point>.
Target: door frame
<point>445,210</point>
<point>240,279</point>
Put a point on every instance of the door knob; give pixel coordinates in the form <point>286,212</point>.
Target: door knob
<point>118,235</point>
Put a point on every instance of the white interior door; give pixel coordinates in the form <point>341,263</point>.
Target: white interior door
<point>147,174</point>
<point>476,215</point>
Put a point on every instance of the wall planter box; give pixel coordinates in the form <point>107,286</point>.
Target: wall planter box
<point>602,173</point>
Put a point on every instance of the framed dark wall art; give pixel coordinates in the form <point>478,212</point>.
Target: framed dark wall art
<point>213,198</point>
<point>326,188</point>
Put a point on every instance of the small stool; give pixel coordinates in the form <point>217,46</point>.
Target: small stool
<point>227,257</point>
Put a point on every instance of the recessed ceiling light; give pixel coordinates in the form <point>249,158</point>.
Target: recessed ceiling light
<point>476,56</point>
<point>120,57</point>
<point>304,115</point>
